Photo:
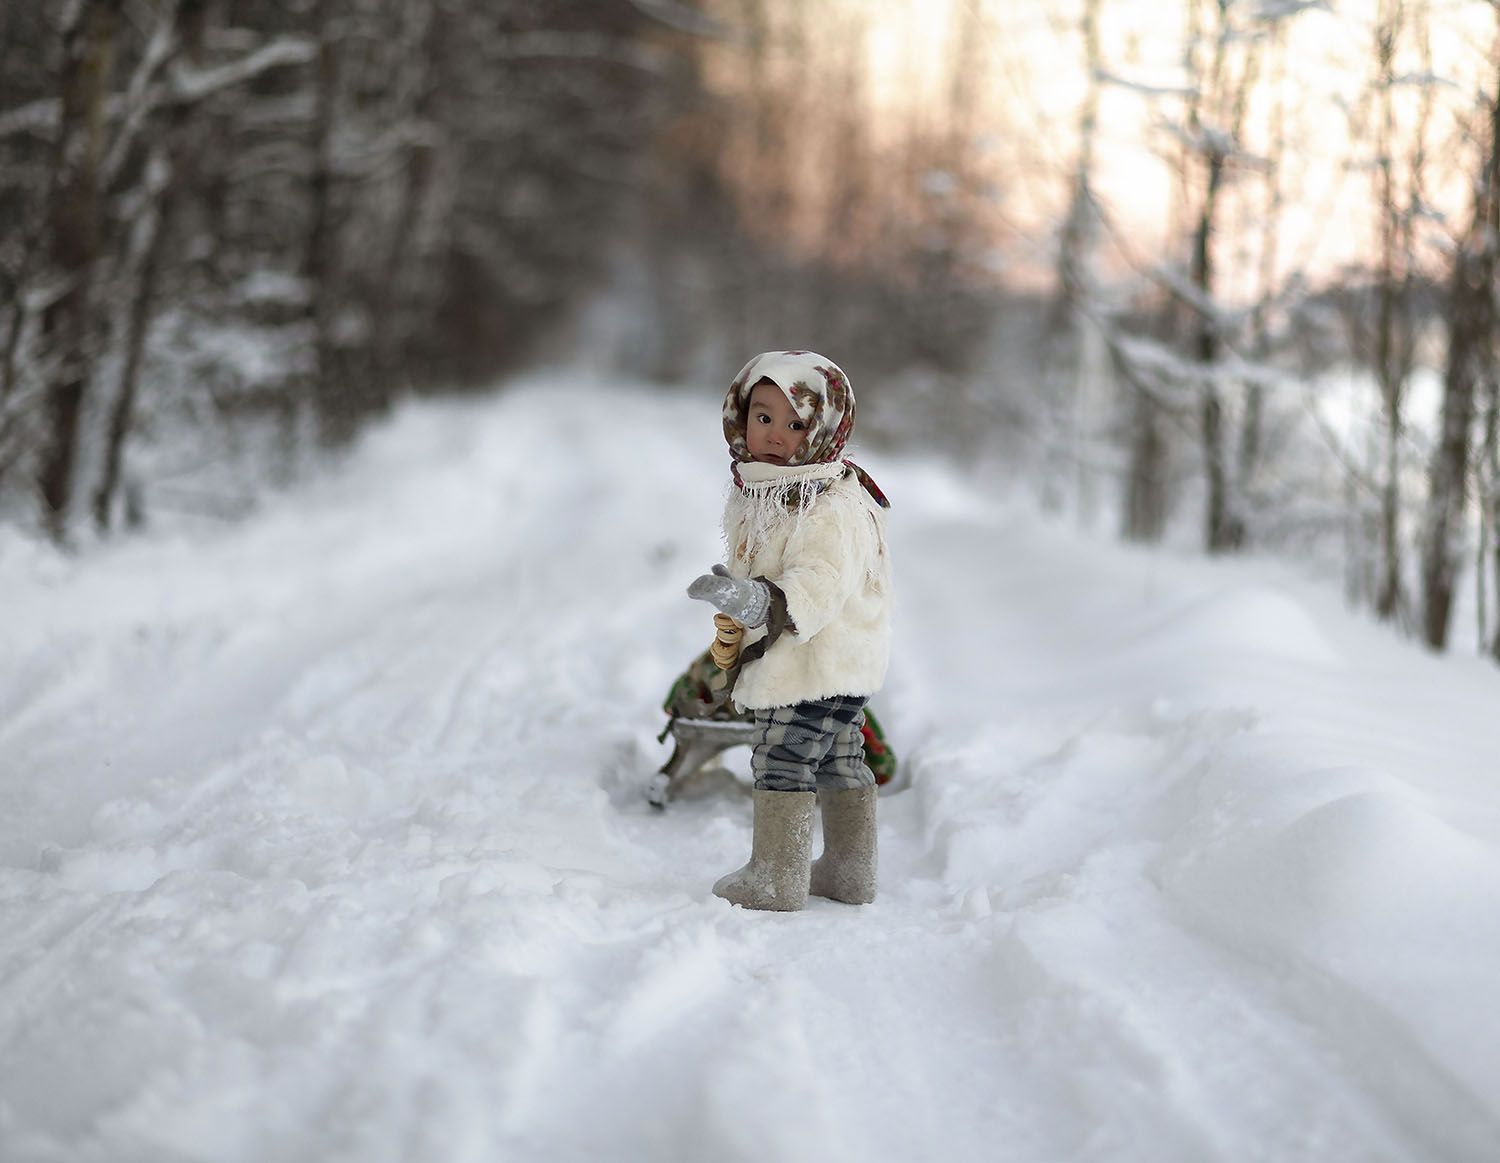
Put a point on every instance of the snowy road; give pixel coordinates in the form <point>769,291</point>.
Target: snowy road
<point>323,839</point>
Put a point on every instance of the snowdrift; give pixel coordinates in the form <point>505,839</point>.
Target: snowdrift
<point>323,838</point>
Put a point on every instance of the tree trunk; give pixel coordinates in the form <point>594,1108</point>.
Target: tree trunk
<point>168,172</point>
<point>10,358</point>
<point>151,229</point>
<point>1472,319</point>
<point>1394,333</point>
<point>1487,497</point>
<point>75,233</point>
<point>1490,510</point>
<point>1252,424</point>
<point>1223,531</point>
<point>1065,366</point>
<point>329,393</point>
<point>1146,481</point>
<point>395,295</point>
<point>16,292</point>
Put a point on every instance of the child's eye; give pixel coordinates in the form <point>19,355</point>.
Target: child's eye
<point>798,426</point>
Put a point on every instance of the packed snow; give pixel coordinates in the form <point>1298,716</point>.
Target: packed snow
<point>323,837</point>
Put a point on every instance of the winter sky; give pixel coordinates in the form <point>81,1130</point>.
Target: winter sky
<point>1033,55</point>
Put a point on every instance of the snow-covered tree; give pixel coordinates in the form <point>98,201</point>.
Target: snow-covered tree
<point>239,213</point>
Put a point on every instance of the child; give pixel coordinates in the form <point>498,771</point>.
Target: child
<point>809,577</point>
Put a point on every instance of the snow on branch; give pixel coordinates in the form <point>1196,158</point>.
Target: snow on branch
<point>1172,366</point>
<point>1204,140</point>
<point>1155,370</point>
<point>38,117</point>
<point>1210,141</point>
<point>1250,36</point>
<point>138,100</point>
<point>1145,90</point>
<point>359,158</point>
<point>1174,380</point>
<point>1427,80</point>
<point>1174,281</point>
<point>1272,11</point>
<point>189,85</point>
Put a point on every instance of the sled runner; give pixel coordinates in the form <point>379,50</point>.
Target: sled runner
<point>703,724</point>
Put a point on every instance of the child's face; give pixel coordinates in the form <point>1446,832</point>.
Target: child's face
<point>773,430</point>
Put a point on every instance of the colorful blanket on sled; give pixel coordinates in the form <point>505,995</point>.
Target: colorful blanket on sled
<point>702,692</point>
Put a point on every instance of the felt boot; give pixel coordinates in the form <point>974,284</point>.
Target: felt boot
<point>846,870</point>
<point>780,852</point>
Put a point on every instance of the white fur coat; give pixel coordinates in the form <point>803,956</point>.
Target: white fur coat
<point>830,561</point>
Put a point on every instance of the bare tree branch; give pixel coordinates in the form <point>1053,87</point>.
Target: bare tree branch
<point>185,87</point>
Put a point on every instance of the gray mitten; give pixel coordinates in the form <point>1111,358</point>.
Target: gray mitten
<point>748,602</point>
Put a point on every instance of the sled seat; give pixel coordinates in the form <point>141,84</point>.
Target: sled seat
<point>694,743</point>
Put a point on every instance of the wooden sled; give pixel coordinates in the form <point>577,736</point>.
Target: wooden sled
<point>694,743</point>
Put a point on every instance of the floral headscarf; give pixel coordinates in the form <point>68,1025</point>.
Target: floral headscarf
<point>819,392</point>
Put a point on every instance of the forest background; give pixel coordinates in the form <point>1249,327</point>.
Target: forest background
<point>1219,272</point>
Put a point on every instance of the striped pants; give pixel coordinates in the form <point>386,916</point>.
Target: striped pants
<point>813,745</point>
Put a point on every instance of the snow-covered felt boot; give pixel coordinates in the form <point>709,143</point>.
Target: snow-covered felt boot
<point>780,854</point>
<point>846,870</point>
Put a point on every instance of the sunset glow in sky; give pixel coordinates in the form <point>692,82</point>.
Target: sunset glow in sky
<point>1031,57</point>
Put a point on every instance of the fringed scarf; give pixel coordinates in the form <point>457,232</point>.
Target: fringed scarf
<point>771,499</point>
